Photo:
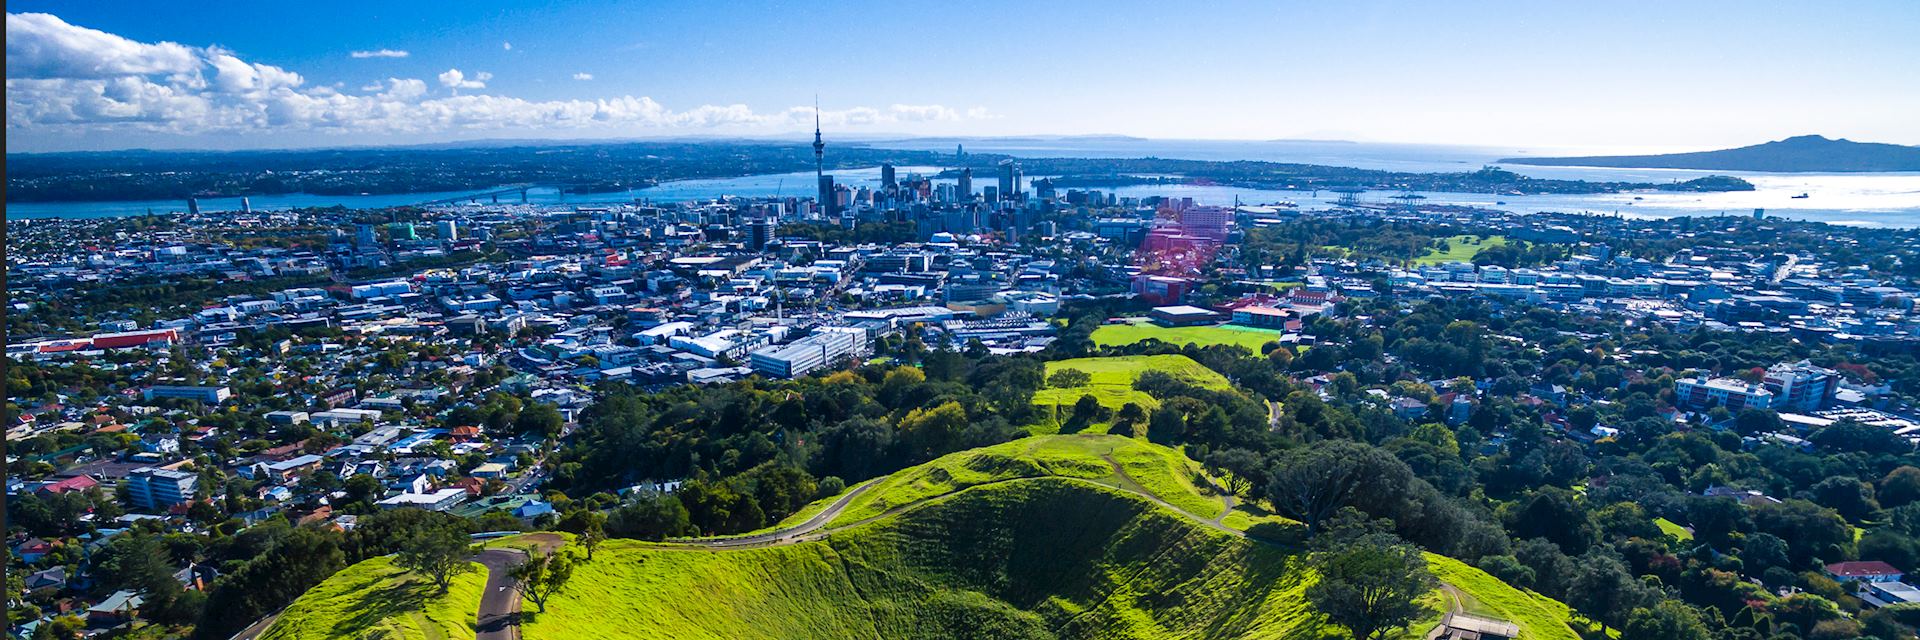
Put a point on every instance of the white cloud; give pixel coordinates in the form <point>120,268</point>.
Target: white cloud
<point>40,45</point>
<point>508,46</point>
<point>583,76</point>
<point>453,79</point>
<point>63,79</point>
<point>380,53</point>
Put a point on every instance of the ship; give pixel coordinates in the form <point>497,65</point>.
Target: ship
<point>1799,197</point>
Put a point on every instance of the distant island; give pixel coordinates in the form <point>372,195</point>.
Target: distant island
<point>1799,154</point>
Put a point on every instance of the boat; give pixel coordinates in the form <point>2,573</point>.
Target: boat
<point>1799,197</point>
<point>1499,202</point>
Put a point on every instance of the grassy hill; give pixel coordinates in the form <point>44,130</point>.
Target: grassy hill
<point>1113,377</point>
<point>375,599</point>
<point>1041,558</point>
<point>1161,471</point>
<point>1062,537</point>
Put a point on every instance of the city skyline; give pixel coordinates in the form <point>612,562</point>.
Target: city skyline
<point>99,76</point>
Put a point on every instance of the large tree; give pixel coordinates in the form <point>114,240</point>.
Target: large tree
<point>541,578</point>
<point>1371,585</point>
<point>1312,483</point>
<point>439,553</point>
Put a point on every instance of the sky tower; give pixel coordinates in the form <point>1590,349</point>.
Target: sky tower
<point>826,198</point>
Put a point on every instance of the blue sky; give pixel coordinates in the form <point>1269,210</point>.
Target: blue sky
<point>1645,76</point>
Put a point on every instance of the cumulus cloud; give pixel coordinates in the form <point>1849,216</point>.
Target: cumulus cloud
<point>508,46</point>
<point>583,76</point>
<point>66,78</point>
<point>453,79</point>
<point>380,53</point>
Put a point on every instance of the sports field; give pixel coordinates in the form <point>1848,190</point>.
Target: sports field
<point>1114,335</point>
<point>1113,377</point>
<point>1459,249</point>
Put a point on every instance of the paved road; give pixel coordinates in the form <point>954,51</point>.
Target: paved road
<point>257,628</point>
<point>796,533</point>
<point>499,616</point>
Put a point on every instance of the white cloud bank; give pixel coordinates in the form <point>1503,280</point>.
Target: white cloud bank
<point>583,76</point>
<point>66,78</point>
<point>378,53</point>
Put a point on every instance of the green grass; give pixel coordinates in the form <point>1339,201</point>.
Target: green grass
<point>1113,335</point>
<point>1159,470</point>
<point>1539,617</point>
<point>1045,558</point>
<point>1025,540</point>
<point>1671,528</point>
<point>1113,377</point>
<point>375,599</point>
<point>1460,249</point>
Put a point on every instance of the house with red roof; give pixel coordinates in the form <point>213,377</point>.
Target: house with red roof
<point>76,483</point>
<point>1864,571</point>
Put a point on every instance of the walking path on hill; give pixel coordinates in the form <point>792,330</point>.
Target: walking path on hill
<point>790,535</point>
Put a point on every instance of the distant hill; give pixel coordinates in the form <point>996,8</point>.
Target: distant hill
<point>1796,154</point>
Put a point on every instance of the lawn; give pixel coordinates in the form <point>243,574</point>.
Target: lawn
<point>1539,617</point>
<point>1671,528</point>
<point>1460,249</point>
<point>1252,338</point>
<point>375,599</point>
<point>1113,377</point>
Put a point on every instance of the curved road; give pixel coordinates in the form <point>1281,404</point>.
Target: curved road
<point>499,616</point>
<point>788,535</point>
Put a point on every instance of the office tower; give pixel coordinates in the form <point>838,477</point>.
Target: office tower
<point>246,205</point>
<point>1007,179</point>
<point>827,205</point>
<point>363,235</point>
<point>449,231</point>
<point>193,206</point>
<point>759,233</point>
<point>966,184</point>
<point>992,193</point>
<point>887,178</point>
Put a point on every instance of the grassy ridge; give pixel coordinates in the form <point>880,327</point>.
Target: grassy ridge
<point>1539,617</point>
<point>1252,338</point>
<point>1160,470</point>
<point>1113,377</point>
<point>1039,559</point>
<point>375,599</point>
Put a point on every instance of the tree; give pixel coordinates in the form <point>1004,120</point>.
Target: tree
<point>540,417</point>
<point>439,552</point>
<point>539,579</point>
<point>1669,620</point>
<point>1603,590</point>
<point>1068,379</point>
<point>651,517</point>
<point>1900,486</point>
<point>595,533</point>
<point>1371,585</point>
<point>1240,466</point>
<point>1310,484</point>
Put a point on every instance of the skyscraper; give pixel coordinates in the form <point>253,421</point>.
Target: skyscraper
<point>193,205</point>
<point>1007,179</point>
<point>887,178</point>
<point>966,184</point>
<point>246,205</point>
<point>826,198</point>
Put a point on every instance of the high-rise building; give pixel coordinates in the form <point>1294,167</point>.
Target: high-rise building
<point>246,205</point>
<point>826,198</point>
<point>1801,386</point>
<point>759,233</point>
<point>401,231</point>
<point>363,235</point>
<point>449,230</point>
<point>153,489</point>
<point>1007,179</point>
<point>966,184</point>
<point>193,205</point>
<point>887,180</point>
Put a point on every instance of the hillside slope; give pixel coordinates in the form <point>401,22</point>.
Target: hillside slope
<point>1037,558</point>
<point>1796,154</point>
<point>1062,537</point>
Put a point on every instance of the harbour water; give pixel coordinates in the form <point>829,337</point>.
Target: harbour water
<point>1858,199</point>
